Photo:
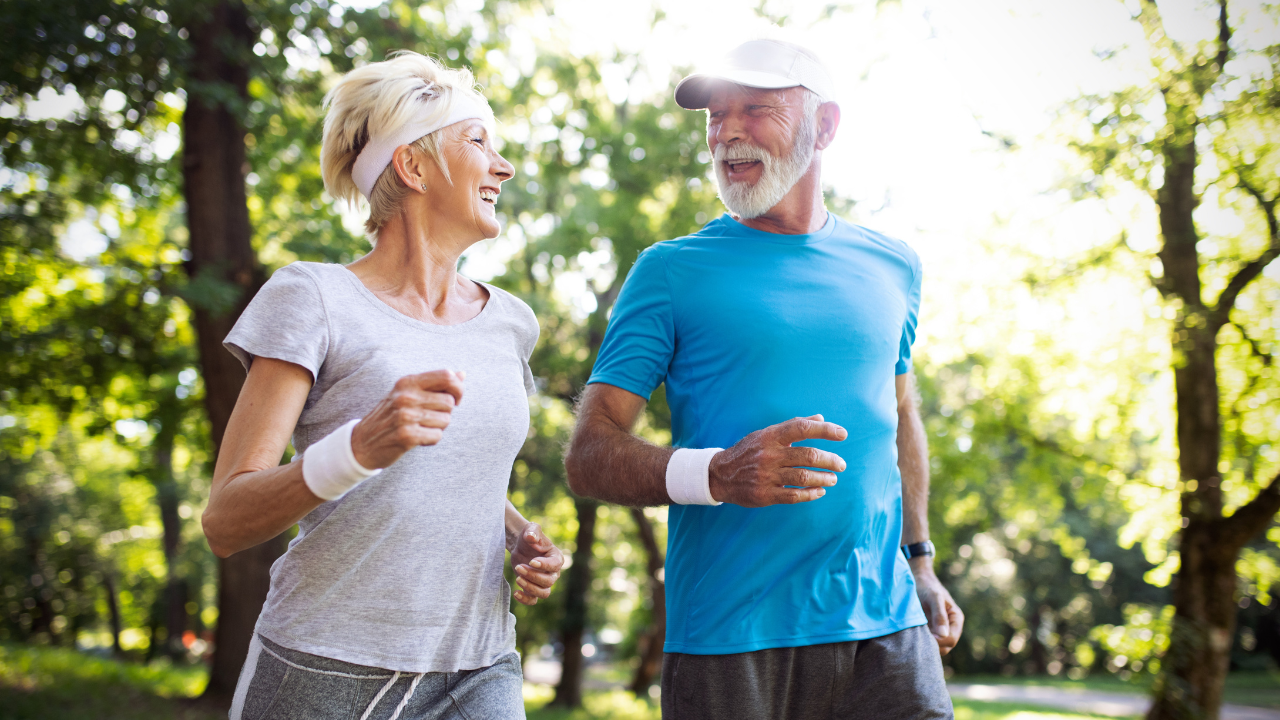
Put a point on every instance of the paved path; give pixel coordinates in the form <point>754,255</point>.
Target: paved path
<point>1091,701</point>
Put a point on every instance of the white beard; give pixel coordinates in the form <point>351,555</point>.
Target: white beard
<point>777,175</point>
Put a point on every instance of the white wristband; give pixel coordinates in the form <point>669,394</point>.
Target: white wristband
<point>687,480</point>
<point>329,467</point>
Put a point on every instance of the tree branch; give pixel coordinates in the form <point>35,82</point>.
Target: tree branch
<point>1252,517</point>
<point>1255,379</point>
<point>1096,258</point>
<point>1227,300</point>
<point>1255,347</point>
<point>1153,27</point>
<point>1224,36</point>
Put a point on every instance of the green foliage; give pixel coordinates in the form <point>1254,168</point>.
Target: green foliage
<point>1139,643</point>
<point>1026,516</point>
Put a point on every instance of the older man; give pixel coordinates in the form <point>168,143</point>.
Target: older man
<point>783,334</point>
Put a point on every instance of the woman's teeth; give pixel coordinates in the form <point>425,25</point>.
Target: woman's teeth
<point>489,196</point>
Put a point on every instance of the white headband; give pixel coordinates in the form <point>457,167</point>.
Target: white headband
<point>377,153</point>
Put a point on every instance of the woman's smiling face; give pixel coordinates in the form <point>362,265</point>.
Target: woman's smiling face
<point>476,173</point>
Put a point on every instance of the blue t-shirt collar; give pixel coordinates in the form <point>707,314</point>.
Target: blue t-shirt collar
<point>733,228</point>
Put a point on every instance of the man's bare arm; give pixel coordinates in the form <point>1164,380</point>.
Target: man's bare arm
<point>605,461</point>
<point>913,464</point>
<point>946,621</point>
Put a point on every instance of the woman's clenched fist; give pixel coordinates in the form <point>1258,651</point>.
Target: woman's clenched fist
<point>415,412</point>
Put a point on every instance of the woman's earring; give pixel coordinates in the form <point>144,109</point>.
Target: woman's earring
<point>424,187</point>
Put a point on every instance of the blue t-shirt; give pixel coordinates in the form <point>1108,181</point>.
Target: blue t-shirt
<point>749,329</point>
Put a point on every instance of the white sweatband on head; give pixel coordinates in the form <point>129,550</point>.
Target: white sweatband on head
<point>330,468</point>
<point>377,153</point>
<point>688,482</point>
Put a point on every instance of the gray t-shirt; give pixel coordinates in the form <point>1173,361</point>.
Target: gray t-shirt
<point>405,571</point>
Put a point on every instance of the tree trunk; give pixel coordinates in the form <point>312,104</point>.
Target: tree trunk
<point>569,691</point>
<point>175,600</point>
<point>1194,668</point>
<point>1039,653</point>
<point>42,618</point>
<point>650,645</point>
<point>113,609</point>
<point>225,274</point>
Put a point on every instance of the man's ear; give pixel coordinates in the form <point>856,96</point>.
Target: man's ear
<point>828,121</point>
<point>409,167</point>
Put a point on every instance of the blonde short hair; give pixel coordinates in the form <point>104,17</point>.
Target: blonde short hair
<point>375,100</point>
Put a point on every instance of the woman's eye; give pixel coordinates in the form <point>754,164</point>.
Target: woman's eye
<point>479,141</point>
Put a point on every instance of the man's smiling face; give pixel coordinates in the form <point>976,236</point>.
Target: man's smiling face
<point>762,141</point>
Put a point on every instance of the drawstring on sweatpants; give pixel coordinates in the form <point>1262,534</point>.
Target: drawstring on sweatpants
<point>369,710</point>
<point>403,702</point>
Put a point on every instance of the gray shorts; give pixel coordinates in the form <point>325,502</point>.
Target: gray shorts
<point>282,684</point>
<point>895,676</point>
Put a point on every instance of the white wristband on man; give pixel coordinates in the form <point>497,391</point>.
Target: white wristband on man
<point>329,466</point>
<point>688,480</point>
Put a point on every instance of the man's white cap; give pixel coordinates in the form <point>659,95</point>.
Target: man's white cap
<point>759,64</point>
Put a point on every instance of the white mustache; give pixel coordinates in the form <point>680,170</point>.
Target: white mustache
<point>742,152</point>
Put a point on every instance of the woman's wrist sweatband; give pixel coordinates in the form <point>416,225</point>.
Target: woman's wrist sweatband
<point>688,482</point>
<point>329,467</point>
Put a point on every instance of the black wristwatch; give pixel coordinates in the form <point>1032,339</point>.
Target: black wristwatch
<point>918,549</point>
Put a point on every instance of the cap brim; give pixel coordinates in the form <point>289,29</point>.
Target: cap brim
<point>694,92</point>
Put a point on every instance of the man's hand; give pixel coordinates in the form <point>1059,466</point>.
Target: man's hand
<point>946,621</point>
<point>537,563</point>
<point>756,471</point>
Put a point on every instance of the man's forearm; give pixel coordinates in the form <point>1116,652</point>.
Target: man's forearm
<point>605,461</point>
<point>913,464</point>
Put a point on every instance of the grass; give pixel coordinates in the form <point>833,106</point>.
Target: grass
<point>37,683</point>
<point>612,704</point>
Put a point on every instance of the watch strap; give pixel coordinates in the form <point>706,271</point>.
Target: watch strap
<point>918,549</point>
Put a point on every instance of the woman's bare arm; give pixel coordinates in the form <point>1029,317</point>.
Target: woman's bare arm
<point>253,497</point>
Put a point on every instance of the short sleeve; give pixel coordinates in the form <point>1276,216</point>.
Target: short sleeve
<point>528,341</point>
<point>913,311</point>
<point>640,339</point>
<point>286,320</point>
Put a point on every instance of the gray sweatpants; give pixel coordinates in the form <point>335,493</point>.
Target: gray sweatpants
<point>895,676</point>
<point>282,684</point>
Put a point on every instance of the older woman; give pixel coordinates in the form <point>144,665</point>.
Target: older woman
<point>404,387</point>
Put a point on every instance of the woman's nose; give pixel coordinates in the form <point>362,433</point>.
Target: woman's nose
<point>503,169</point>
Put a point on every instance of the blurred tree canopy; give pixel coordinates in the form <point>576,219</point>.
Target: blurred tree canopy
<point>1056,496</point>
